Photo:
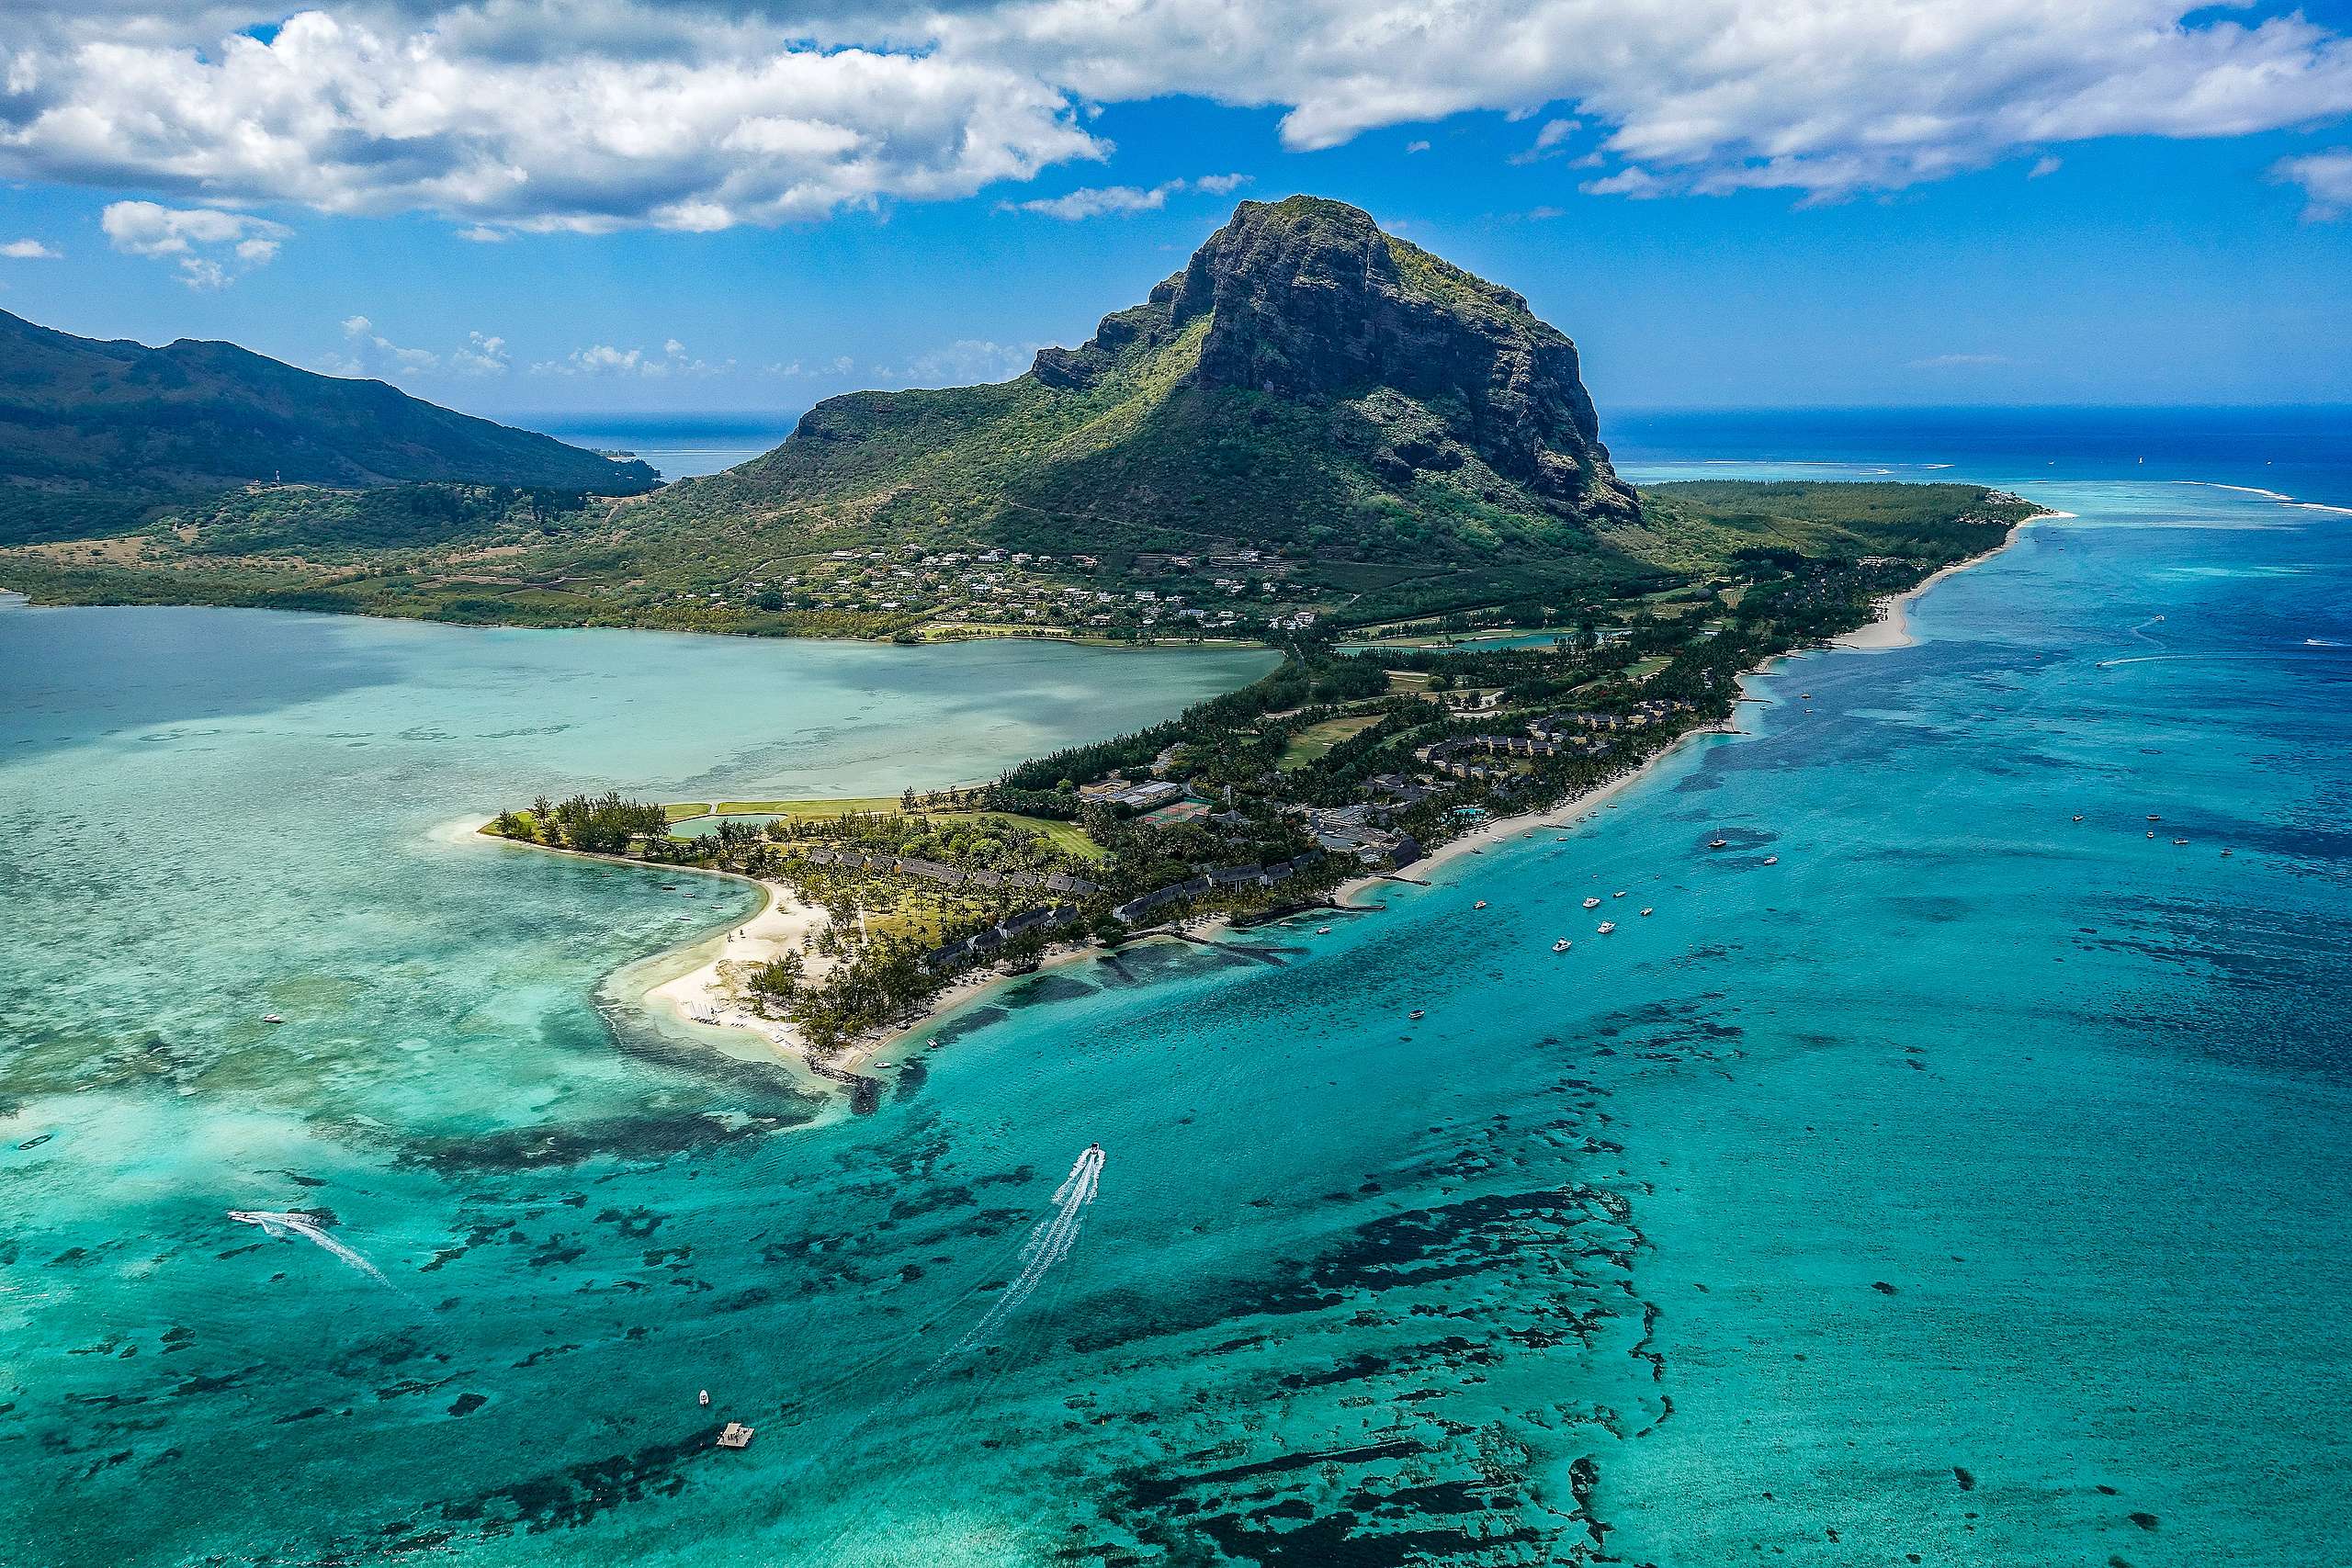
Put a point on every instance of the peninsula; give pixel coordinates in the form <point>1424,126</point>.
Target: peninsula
<point>1315,434</point>
<point>1343,764</point>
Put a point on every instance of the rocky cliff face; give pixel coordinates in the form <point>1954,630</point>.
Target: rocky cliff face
<point>1306,299</point>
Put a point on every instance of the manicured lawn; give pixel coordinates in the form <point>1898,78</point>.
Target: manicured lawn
<point>799,811</point>
<point>1314,742</point>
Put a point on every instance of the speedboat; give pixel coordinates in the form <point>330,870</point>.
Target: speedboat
<point>1772,859</point>
<point>1561,945</point>
<point>2078,819</point>
<point>1592,903</point>
<point>1094,1148</point>
<point>2180,841</point>
<point>1480,905</point>
<point>1645,911</point>
<point>1415,1013</point>
<point>1322,930</point>
<point>271,1018</point>
<point>1619,894</point>
<point>1608,926</point>
<point>1717,843</point>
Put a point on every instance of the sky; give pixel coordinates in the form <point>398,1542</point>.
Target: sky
<point>539,206</point>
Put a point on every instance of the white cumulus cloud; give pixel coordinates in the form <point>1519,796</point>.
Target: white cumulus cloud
<point>605,359</point>
<point>969,362</point>
<point>2327,179</point>
<point>370,353</point>
<point>515,116</point>
<point>1120,201</point>
<point>210,247</point>
<point>28,250</point>
<point>1822,97</point>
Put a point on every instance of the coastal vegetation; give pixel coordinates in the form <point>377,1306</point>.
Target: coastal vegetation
<point>1264,800</point>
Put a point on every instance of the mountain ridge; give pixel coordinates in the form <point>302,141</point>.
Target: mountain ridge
<point>1305,381</point>
<point>95,434</point>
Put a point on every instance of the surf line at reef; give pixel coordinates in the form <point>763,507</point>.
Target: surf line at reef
<point>1047,1244</point>
<point>292,1223</point>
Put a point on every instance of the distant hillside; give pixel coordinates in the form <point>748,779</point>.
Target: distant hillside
<point>1306,383</point>
<point>96,435</point>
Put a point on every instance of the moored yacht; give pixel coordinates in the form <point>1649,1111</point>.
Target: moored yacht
<point>1608,926</point>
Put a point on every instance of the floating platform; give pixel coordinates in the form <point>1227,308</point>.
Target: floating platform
<point>736,1436</point>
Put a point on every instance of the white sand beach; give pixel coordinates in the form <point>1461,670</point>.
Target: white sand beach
<point>713,994</point>
<point>1892,628</point>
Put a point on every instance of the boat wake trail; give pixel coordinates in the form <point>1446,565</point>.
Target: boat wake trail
<point>1047,1244</point>
<point>309,1229</point>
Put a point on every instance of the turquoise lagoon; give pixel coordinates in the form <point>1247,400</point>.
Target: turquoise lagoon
<point>1969,1184</point>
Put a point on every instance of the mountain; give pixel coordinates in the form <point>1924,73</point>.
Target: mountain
<point>1313,425</point>
<point>1307,382</point>
<point>95,435</point>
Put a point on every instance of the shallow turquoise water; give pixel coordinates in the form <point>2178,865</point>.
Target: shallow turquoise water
<point>1893,1199</point>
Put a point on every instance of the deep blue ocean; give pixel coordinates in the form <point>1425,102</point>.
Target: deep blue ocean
<point>1968,1185</point>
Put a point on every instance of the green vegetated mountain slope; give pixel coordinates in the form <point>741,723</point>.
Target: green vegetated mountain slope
<point>96,435</point>
<point>1305,382</point>
<point>1314,424</point>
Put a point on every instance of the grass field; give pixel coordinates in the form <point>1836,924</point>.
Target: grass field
<point>1067,837</point>
<point>1314,742</point>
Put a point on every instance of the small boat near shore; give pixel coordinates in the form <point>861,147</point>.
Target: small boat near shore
<point>271,1018</point>
<point>1619,894</point>
<point>1717,843</point>
<point>1772,859</point>
<point>1608,926</point>
<point>1322,930</point>
<point>1645,912</point>
<point>1415,1013</point>
<point>1562,945</point>
<point>1592,903</point>
<point>1480,905</point>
